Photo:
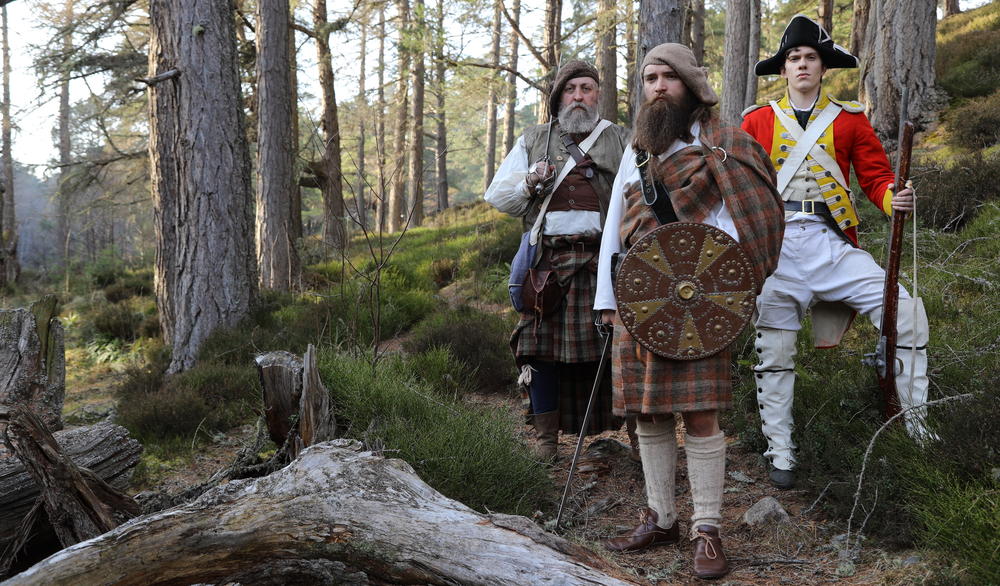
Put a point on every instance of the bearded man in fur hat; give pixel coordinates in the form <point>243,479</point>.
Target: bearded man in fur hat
<point>558,180</point>
<point>813,140</point>
<point>707,173</point>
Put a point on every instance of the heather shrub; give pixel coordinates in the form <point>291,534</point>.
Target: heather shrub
<point>950,196</point>
<point>975,125</point>
<point>117,321</point>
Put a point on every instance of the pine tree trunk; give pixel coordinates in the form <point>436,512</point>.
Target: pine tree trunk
<point>607,59</point>
<point>631,52</point>
<point>698,30</point>
<point>490,165</point>
<point>753,54</point>
<point>660,21</point>
<point>397,196</point>
<point>415,173</point>
<point>825,13</point>
<point>206,274</point>
<point>276,254</point>
<point>65,196</point>
<point>551,50</point>
<point>381,199</point>
<point>510,102</point>
<point>360,207</point>
<point>951,8</point>
<point>441,140</point>
<point>734,75</point>
<point>894,61</point>
<point>859,27</point>
<point>329,174</point>
<point>8,235</point>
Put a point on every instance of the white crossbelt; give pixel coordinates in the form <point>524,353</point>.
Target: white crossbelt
<point>806,144</point>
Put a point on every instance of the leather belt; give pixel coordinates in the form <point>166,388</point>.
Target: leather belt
<point>810,206</point>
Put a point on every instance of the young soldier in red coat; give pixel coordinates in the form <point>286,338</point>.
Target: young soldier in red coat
<point>813,140</point>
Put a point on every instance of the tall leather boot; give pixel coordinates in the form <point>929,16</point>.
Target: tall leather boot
<point>547,432</point>
<point>774,376</point>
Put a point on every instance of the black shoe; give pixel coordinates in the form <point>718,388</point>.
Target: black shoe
<point>783,479</point>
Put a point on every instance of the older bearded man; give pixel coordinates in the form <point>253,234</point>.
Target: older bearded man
<point>703,172</point>
<point>558,180</point>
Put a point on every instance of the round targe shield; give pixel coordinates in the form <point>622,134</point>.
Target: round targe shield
<point>685,290</point>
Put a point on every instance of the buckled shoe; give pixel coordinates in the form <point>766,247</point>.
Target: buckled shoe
<point>646,534</point>
<point>709,559</point>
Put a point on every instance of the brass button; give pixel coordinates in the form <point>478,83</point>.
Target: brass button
<point>644,309</point>
<point>637,281</point>
<point>661,334</point>
<point>686,290</point>
<point>689,336</point>
<point>730,301</point>
<point>656,258</point>
<point>718,328</point>
<point>732,272</point>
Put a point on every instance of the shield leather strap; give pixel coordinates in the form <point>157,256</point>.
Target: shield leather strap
<point>685,290</point>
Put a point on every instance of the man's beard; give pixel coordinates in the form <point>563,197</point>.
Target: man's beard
<point>661,121</point>
<point>578,118</point>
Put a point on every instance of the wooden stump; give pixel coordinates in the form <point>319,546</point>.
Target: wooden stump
<point>336,515</point>
<point>32,361</point>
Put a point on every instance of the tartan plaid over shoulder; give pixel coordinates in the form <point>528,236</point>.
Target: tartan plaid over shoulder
<point>731,167</point>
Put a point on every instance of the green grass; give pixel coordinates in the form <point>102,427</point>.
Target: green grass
<point>466,452</point>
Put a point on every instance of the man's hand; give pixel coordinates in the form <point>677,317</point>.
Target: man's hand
<point>541,173</point>
<point>607,316</point>
<point>904,200</point>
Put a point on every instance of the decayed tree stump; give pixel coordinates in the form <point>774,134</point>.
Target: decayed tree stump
<point>336,515</point>
<point>32,361</point>
<point>78,503</point>
<point>296,404</point>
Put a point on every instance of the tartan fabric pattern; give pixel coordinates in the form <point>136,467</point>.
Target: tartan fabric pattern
<point>575,384</point>
<point>732,167</point>
<point>569,335</point>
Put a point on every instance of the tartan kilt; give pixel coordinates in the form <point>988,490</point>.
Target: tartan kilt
<point>569,335</point>
<point>575,384</point>
<point>644,383</point>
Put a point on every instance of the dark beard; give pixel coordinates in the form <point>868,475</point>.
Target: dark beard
<point>662,121</point>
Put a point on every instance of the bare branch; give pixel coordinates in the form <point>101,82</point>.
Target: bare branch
<point>527,42</point>
<point>506,68</point>
<point>151,81</point>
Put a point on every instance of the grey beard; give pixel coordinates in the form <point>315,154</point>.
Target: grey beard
<point>574,120</point>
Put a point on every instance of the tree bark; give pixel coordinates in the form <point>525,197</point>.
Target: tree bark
<point>551,51</point>
<point>490,165</point>
<point>951,8</point>
<point>206,274</point>
<point>397,196</point>
<point>753,54</point>
<point>859,28</point>
<point>698,30</point>
<point>8,234</point>
<point>415,172</point>
<point>510,102</point>
<point>105,449</point>
<point>734,88</point>
<point>660,21</point>
<point>360,205</point>
<point>825,13</point>
<point>276,254</point>
<point>78,503</point>
<point>32,361</point>
<point>631,52</point>
<point>329,172</point>
<point>65,192</point>
<point>381,199</point>
<point>894,61</point>
<point>296,404</point>
<point>336,515</point>
<point>440,90</point>
<point>607,59</point>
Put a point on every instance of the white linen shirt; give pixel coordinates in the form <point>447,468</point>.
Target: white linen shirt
<point>611,242</point>
<point>509,193</point>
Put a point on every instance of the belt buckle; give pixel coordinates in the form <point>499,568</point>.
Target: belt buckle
<point>809,207</point>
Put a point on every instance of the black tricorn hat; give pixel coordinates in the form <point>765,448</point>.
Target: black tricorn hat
<point>804,31</point>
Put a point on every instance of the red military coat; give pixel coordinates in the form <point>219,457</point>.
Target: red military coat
<point>853,140</point>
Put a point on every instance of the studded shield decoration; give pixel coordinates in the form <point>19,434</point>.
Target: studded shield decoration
<point>685,291</point>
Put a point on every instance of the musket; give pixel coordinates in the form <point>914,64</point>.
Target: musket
<point>606,331</point>
<point>884,357</point>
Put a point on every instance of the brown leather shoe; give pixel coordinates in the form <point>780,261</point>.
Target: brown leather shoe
<point>647,534</point>
<point>709,559</point>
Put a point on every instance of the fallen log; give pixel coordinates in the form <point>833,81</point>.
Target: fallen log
<point>104,448</point>
<point>337,515</point>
